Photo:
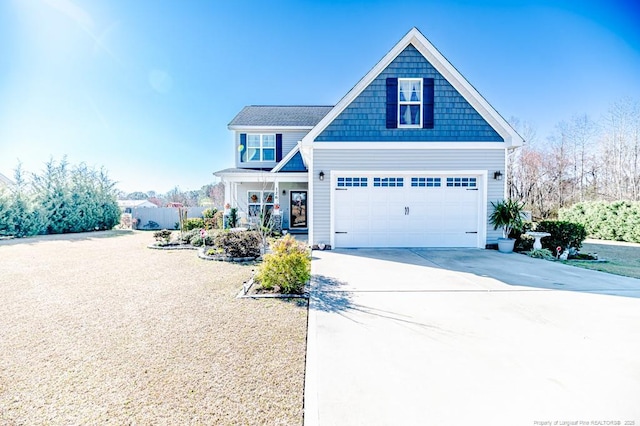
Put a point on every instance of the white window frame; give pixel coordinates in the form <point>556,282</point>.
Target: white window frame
<point>261,148</point>
<point>409,103</point>
<point>262,202</point>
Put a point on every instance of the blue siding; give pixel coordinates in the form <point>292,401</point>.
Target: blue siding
<point>365,118</point>
<point>295,164</point>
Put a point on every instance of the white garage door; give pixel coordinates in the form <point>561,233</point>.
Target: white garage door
<point>383,210</point>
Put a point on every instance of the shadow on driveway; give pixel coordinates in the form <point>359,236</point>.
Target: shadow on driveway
<point>481,266</point>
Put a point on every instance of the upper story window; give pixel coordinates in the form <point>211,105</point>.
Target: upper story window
<point>410,102</point>
<point>261,147</point>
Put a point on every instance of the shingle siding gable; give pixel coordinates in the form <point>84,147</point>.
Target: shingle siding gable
<point>295,164</point>
<point>365,119</point>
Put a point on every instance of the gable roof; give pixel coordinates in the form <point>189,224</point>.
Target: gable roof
<point>305,116</point>
<point>443,66</point>
<point>292,162</point>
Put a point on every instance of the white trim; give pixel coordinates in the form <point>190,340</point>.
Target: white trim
<point>409,145</point>
<point>444,67</point>
<point>409,103</point>
<point>392,173</point>
<point>505,173</point>
<point>265,177</point>
<point>482,229</point>
<point>288,157</point>
<point>310,197</point>
<point>269,128</point>
<point>481,240</point>
<point>332,203</point>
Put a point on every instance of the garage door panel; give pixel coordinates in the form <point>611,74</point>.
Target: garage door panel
<point>409,216</point>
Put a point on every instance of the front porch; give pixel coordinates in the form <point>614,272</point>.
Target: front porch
<point>255,191</point>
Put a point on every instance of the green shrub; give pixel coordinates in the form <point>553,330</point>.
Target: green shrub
<point>542,253</point>
<point>563,234</point>
<point>618,221</point>
<point>193,223</point>
<point>287,268</point>
<point>164,235</point>
<point>238,243</point>
<point>523,242</point>
<point>196,240</point>
<point>507,214</point>
<point>209,213</point>
<point>232,218</point>
<point>218,220</point>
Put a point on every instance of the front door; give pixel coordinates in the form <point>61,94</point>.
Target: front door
<point>298,210</point>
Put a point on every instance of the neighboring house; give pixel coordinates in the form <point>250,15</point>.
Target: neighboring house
<point>410,157</point>
<point>127,206</point>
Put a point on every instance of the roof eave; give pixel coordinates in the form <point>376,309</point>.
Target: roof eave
<point>254,127</point>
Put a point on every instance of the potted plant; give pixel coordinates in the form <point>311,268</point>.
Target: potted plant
<point>508,215</point>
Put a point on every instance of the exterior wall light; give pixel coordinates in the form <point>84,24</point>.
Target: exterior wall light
<point>497,175</point>
<point>321,175</point>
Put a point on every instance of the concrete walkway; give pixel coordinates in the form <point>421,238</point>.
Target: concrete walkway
<point>468,337</point>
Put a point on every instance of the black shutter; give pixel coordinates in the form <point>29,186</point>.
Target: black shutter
<point>278,147</point>
<point>243,147</point>
<point>427,103</point>
<point>392,103</point>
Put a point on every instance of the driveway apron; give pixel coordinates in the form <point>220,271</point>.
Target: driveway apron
<point>468,336</point>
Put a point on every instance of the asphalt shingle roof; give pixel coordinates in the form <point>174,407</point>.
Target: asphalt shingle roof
<point>291,115</point>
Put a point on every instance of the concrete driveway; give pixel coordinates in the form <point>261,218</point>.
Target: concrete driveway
<point>469,337</point>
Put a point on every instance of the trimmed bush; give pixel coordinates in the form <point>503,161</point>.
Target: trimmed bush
<point>287,268</point>
<point>238,243</point>
<point>209,239</point>
<point>164,235</point>
<point>193,223</point>
<point>186,237</point>
<point>563,234</point>
<point>209,213</point>
<point>617,221</point>
<point>542,253</point>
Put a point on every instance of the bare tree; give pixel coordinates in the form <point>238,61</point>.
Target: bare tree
<point>581,160</point>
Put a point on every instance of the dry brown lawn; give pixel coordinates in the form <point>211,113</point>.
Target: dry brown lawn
<point>96,328</point>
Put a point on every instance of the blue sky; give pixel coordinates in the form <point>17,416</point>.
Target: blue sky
<point>146,88</point>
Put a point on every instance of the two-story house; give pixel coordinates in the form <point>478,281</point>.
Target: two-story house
<point>410,157</point>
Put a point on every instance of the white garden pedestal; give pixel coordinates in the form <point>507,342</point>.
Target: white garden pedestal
<point>537,245</point>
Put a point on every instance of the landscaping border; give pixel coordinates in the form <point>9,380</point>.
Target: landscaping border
<point>242,294</point>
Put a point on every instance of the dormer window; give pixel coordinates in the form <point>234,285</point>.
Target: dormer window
<point>261,147</point>
<point>410,102</point>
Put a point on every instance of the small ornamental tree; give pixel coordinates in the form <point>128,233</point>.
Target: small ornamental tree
<point>508,215</point>
<point>287,268</point>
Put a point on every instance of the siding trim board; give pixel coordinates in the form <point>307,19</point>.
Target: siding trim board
<point>409,145</point>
